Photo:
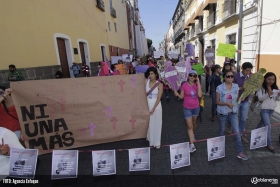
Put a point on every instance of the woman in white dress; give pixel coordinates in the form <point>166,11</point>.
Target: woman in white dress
<point>155,125</point>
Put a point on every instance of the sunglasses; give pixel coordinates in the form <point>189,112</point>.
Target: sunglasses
<point>192,75</point>
<point>229,76</point>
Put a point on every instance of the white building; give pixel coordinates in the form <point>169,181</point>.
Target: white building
<point>141,41</point>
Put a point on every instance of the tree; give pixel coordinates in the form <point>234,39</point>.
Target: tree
<point>149,42</point>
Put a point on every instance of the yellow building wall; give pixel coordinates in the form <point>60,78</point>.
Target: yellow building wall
<point>27,30</point>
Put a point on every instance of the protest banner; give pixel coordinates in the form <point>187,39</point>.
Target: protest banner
<point>127,57</point>
<point>23,163</point>
<point>173,54</point>
<point>141,69</point>
<point>216,148</point>
<point>122,69</point>
<point>115,59</point>
<point>226,50</point>
<point>104,162</point>
<point>172,77</point>
<point>157,54</point>
<point>182,70</point>
<point>64,164</point>
<point>139,159</point>
<point>210,56</point>
<point>180,155</point>
<point>188,66</point>
<point>190,49</point>
<point>70,113</point>
<point>258,138</point>
<point>198,68</point>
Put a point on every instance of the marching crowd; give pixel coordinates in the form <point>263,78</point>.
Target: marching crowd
<point>223,84</point>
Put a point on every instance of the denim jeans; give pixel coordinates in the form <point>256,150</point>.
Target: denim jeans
<point>265,121</point>
<point>233,118</point>
<point>243,109</point>
<point>166,92</point>
<point>214,106</point>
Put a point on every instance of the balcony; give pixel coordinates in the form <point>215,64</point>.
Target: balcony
<point>100,5</point>
<point>229,8</point>
<point>198,28</point>
<point>212,19</point>
<point>113,12</point>
<point>192,32</point>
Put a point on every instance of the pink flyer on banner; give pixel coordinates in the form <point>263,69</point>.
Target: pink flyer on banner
<point>172,77</point>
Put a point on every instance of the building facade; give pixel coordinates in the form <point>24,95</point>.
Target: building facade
<point>41,37</point>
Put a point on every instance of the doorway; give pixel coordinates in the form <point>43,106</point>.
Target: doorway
<point>201,49</point>
<point>82,52</point>
<point>103,53</point>
<point>63,57</point>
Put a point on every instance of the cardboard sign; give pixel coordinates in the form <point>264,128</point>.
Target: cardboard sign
<point>64,164</point>
<point>190,49</point>
<point>115,59</point>
<point>141,69</point>
<point>226,50</point>
<point>121,68</point>
<point>69,113</point>
<point>172,77</point>
<point>216,148</point>
<point>258,138</point>
<point>23,163</point>
<point>209,56</point>
<point>198,68</point>
<point>139,159</point>
<point>180,155</point>
<point>104,162</point>
<point>182,70</point>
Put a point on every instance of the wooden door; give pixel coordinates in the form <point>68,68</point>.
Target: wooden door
<point>82,52</point>
<point>103,53</point>
<point>63,57</point>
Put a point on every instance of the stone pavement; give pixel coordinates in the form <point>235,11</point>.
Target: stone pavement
<point>199,173</point>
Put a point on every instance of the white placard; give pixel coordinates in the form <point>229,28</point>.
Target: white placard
<point>209,55</point>
<point>258,138</point>
<point>170,74</point>
<point>104,162</point>
<point>162,74</point>
<point>23,163</point>
<point>124,56</point>
<point>114,59</point>
<point>134,63</point>
<point>64,164</point>
<point>181,69</point>
<point>157,54</point>
<point>180,155</point>
<point>139,159</point>
<point>216,148</point>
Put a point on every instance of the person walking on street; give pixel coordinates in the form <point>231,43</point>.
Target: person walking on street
<point>14,74</point>
<point>85,69</point>
<point>227,110</point>
<point>76,69</point>
<point>206,71</point>
<point>243,107</point>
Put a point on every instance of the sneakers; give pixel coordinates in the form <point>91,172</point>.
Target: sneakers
<point>242,156</point>
<point>229,130</point>
<point>192,148</point>
<point>244,140</point>
<point>271,149</point>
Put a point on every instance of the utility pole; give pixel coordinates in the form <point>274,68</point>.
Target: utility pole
<point>239,34</point>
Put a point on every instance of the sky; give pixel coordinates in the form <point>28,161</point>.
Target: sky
<point>156,16</point>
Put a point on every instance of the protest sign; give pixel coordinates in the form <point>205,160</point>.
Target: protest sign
<point>114,59</point>
<point>190,49</point>
<point>70,113</point>
<point>172,77</point>
<point>141,69</point>
<point>210,56</point>
<point>157,54</point>
<point>121,68</point>
<point>258,138</point>
<point>139,159</point>
<point>188,66</point>
<point>226,50</point>
<point>127,57</point>
<point>174,54</point>
<point>64,164</point>
<point>23,163</point>
<point>104,162</point>
<point>216,148</point>
<point>182,70</point>
<point>180,155</point>
<point>198,68</point>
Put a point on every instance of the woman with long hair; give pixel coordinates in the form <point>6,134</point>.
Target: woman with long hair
<point>191,92</point>
<point>104,70</point>
<point>265,95</point>
<point>154,91</point>
<point>227,109</point>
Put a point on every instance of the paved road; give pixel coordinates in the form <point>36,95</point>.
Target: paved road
<point>200,173</point>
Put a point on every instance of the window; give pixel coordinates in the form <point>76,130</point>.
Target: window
<point>118,51</point>
<point>115,27</point>
<point>231,39</point>
<point>213,44</point>
<point>112,49</point>
<point>109,26</point>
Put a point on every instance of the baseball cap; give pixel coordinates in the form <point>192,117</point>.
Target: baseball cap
<point>193,72</point>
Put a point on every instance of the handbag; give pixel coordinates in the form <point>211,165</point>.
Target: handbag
<point>150,91</point>
<point>201,103</point>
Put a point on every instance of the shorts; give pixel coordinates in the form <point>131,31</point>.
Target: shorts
<point>189,113</point>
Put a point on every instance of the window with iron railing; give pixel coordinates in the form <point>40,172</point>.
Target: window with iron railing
<point>100,5</point>
<point>113,12</point>
<point>231,39</point>
<point>229,8</point>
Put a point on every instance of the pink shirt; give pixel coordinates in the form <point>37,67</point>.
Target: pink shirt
<point>190,96</point>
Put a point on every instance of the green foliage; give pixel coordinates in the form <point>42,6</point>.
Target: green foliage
<point>149,43</point>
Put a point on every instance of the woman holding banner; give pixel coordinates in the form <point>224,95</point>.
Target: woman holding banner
<point>154,91</point>
<point>191,92</point>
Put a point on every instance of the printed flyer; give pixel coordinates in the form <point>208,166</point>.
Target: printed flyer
<point>258,138</point>
<point>104,162</point>
<point>64,164</point>
<point>23,163</point>
<point>139,159</point>
<point>216,148</point>
<point>180,155</point>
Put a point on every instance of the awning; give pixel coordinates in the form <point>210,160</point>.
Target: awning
<point>203,5</point>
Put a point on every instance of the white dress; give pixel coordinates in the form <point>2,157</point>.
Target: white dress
<point>155,125</point>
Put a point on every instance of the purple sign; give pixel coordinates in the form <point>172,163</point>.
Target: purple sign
<point>182,70</point>
<point>141,69</point>
<point>188,66</point>
<point>172,77</point>
<point>190,49</point>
